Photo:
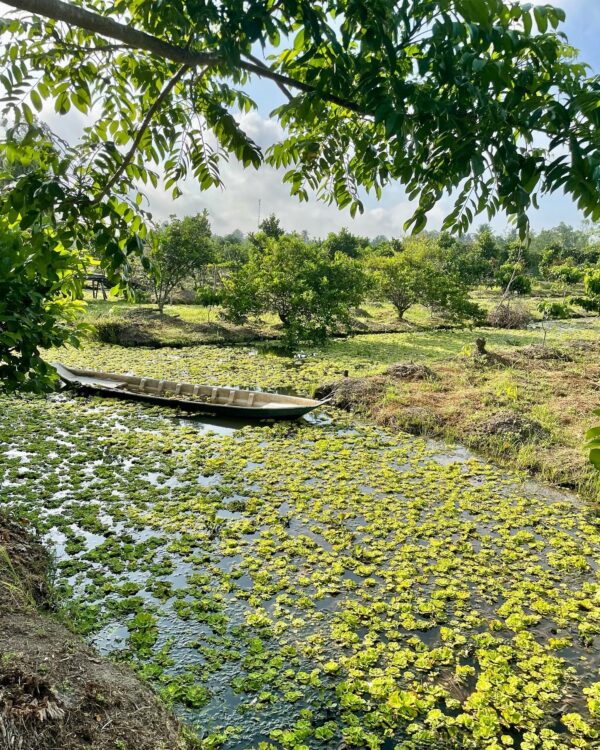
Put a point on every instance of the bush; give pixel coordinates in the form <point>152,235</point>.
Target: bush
<point>591,288</point>
<point>509,315</point>
<point>207,296</point>
<point>513,274</point>
<point>566,273</point>
<point>310,292</point>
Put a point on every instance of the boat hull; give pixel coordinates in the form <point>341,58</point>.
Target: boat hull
<point>225,402</point>
<point>213,410</point>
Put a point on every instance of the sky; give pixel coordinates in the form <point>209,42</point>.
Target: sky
<point>237,205</point>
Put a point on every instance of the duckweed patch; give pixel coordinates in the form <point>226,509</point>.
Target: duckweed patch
<point>315,585</point>
<point>268,367</point>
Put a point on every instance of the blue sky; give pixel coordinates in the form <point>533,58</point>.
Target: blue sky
<point>236,207</point>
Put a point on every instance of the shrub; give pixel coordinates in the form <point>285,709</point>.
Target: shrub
<point>509,315</point>
<point>566,273</point>
<point>511,276</point>
<point>310,292</point>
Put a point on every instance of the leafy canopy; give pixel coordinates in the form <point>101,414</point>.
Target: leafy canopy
<point>311,292</point>
<point>481,96</point>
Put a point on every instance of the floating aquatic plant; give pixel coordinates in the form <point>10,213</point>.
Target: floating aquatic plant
<point>314,584</point>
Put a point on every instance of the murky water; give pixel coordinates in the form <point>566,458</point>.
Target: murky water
<point>294,577</point>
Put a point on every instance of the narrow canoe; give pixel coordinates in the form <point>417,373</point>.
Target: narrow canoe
<point>214,400</point>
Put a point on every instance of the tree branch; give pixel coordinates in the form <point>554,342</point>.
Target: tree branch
<point>142,129</point>
<point>286,92</point>
<point>107,27</point>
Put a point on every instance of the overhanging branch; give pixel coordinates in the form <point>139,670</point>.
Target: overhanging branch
<point>169,86</point>
<point>136,39</point>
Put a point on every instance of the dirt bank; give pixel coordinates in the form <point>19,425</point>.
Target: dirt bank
<point>57,693</point>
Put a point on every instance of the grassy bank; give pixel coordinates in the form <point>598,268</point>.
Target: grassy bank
<point>525,406</point>
<point>119,322</point>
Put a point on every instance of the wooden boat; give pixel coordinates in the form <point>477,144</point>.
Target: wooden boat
<point>205,399</point>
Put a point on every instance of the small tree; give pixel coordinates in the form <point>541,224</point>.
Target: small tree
<point>398,281</point>
<point>420,274</point>
<point>591,287</point>
<point>178,250</point>
<point>310,292</point>
<point>271,227</point>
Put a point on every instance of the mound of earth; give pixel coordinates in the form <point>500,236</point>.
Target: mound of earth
<point>410,371</point>
<point>57,693</point>
<point>543,353</point>
<point>511,425</point>
<point>350,393</point>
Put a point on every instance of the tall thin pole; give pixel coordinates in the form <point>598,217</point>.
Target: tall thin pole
<point>259,202</point>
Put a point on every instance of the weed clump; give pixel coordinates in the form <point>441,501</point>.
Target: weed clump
<point>512,425</point>
<point>510,315</point>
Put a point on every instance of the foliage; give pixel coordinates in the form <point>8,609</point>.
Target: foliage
<point>39,286</point>
<point>512,277</point>
<point>554,310</point>
<point>399,281</point>
<point>345,242</point>
<point>410,115</point>
<point>208,297</point>
<point>177,251</point>
<point>311,293</point>
<point>591,288</point>
<point>49,228</point>
<point>566,272</point>
<point>271,227</point>
<point>424,273</point>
